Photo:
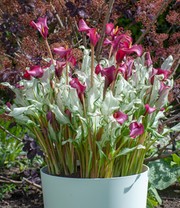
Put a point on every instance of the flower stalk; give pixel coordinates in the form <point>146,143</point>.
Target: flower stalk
<point>92,65</point>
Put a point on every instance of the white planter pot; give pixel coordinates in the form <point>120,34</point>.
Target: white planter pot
<point>117,192</point>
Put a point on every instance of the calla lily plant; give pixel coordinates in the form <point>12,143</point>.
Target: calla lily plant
<point>94,118</point>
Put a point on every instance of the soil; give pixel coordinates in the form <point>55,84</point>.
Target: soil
<point>29,196</point>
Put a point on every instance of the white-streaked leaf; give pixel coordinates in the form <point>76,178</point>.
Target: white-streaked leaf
<point>167,63</point>
<point>110,104</point>
<point>61,118</point>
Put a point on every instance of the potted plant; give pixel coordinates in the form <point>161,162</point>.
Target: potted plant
<point>94,120</point>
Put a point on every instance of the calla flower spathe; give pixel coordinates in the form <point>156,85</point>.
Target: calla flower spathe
<point>41,26</point>
<point>109,28</point>
<point>63,52</point>
<point>149,109</point>
<point>80,88</point>
<point>126,68</point>
<point>93,36</point>
<point>136,129</point>
<point>59,68</point>
<point>83,27</point>
<point>91,32</point>
<point>35,71</point>
<point>108,73</point>
<point>121,53</point>
<point>120,117</point>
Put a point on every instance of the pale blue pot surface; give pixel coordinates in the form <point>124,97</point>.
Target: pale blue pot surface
<point>117,192</point>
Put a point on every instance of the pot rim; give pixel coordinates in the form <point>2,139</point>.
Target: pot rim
<point>145,171</point>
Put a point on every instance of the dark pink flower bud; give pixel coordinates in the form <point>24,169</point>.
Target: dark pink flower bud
<point>8,104</point>
<point>41,26</point>
<point>120,117</point>
<point>109,28</point>
<point>93,36</point>
<point>26,75</point>
<point>83,26</point>
<point>109,74</point>
<point>49,116</point>
<point>98,69</point>
<point>136,129</point>
<point>148,60</point>
<point>149,109</point>
<point>17,85</point>
<point>107,42</point>
<point>68,113</point>
<point>80,88</point>
<point>63,52</point>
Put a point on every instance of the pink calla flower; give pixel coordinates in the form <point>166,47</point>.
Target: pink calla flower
<point>136,129</point>
<point>83,27</point>
<point>166,73</point>
<point>80,88</point>
<point>109,28</point>
<point>109,74</point>
<point>126,68</point>
<point>41,26</point>
<point>159,71</point>
<point>59,68</point>
<point>98,69</point>
<point>93,36</point>
<point>149,109</point>
<point>134,49</point>
<point>72,61</point>
<point>127,51</point>
<point>120,117</point>
<point>35,71</point>
<point>120,56</point>
<point>121,41</point>
<point>63,52</point>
